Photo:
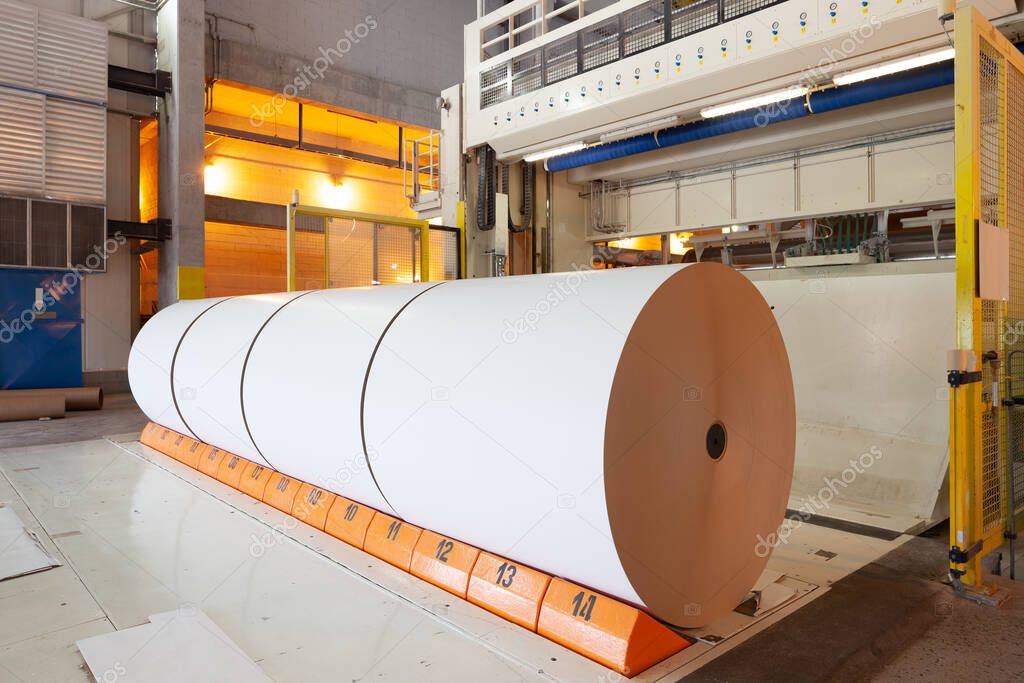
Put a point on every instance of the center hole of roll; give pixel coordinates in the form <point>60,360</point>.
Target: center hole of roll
<point>716,440</point>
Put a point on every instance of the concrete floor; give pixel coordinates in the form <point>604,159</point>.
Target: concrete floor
<point>119,415</point>
<point>890,620</point>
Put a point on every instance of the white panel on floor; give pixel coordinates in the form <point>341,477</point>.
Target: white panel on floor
<point>21,552</point>
<point>184,645</point>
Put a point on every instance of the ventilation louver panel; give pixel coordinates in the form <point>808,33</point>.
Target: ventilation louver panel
<point>21,142</point>
<point>17,44</point>
<point>72,56</point>
<point>75,151</point>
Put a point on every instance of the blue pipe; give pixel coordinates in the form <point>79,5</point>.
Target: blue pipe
<point>822,101</point>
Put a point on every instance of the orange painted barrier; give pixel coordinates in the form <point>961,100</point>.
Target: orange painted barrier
<point>508,589</point>
<point>281,491</point>
<point>444,562</point>
<point>610,632</point>
<point>348,521</point>
<point>312,505</point>
<point>231,469</point>
<point>392,540</point>
<point>253,481</point>
<point>210,460</point>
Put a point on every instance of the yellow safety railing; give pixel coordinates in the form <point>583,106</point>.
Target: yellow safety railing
<point>329,248</point>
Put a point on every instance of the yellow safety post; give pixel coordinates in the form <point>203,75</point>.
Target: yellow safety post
<point>989,144</point>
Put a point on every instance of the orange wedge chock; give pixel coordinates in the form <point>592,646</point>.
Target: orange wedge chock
<point>312,505</point>
<point>348,521</point>
<point>253,482</point>
<point>210,460</point>
<point>280,492</point>
<point>508,589</point>
<point>190,453</point>
<point>150,435</point>
<point>230,470</point>
<point>392,540</point>
<point>444,562</point>
<point>610,632</point>
<point>179,449</point>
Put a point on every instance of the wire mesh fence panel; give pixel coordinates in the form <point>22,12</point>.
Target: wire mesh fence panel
<point>1015,306</point>
<point>444,254</point>
<point>310,254</point>
<point>397,252</point>
<point>349,254</point>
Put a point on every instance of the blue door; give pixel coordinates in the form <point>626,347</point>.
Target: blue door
<point>40,328</point>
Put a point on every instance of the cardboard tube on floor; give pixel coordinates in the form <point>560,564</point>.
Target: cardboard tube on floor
<point>23,407</point>
<point>75,398</point>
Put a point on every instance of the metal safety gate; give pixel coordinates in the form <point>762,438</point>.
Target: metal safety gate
<point>987,368</point>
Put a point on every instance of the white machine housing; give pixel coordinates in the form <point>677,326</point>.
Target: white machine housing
<point>792,42</point>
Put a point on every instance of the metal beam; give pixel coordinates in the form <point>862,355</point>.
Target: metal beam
<point>242,212</point>
<point>157,230</point>
<point>153,83</point>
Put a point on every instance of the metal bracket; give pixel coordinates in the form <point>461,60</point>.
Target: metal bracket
<point>957,378</point>
<point>960,556</point>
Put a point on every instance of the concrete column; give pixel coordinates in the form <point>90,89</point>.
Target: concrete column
<point>181,51</point>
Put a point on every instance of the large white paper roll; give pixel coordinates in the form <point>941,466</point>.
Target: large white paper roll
<point>208,371</point>
<point>630,430</point>
<point>152,358</point>
<point>304,385</point>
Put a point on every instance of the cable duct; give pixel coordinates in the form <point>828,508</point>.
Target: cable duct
<point>817,102</point>
<point>526,204</point>
<point>485,190</point>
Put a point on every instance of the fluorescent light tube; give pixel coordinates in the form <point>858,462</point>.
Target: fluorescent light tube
<point>893,67</point>
<point>553,152</point>
<point>791,93</point>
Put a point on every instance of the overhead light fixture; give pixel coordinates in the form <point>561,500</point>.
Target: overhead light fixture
<point>631,131</point>
<point>553,152</point>
<point>213,179</point>
<point>790,93</point>
<point>894,67</point>
<point>336,194</point>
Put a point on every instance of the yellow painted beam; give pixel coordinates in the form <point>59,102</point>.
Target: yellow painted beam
<point>460,223</point>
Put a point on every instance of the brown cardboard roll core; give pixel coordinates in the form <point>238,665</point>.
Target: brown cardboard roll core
<point>75,398</point>
<point>699,444</point>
